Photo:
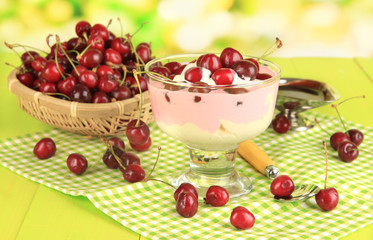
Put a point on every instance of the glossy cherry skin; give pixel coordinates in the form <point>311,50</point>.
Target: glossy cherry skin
<point>103,70</point>
<point>118,142</point>
<point>327,199</point>
<point>223,76</point>
<point>89,78</point>
<point>76,44</point>
<point>162,70</point>
<point>96,42</point>
<point>65,86</point>
<point>112,56</point>
<point>108,83</point>
<point>245,69</point>
<point>194,74</point>
<point>242,218</point>
<point>26,78</point>
<point>100,97</point>
<point>38,63</point>
<point>48,87</point>
<point>121,93</point>
<point>109,158</point>
<point>337,138</point>
<point>79,69</point>
<point>230,56</point>
<point>82,27</point>
<point>101,30</point>
<point>253,61</point>
<point>137,134</point>
<point>356,136</point>
<point>209,61</point>
<point>187,204</point>
<point>52,72</point>
<point>134,173</point>
<point>142,147</point>
<point>77,163</point>
<point>172,66</point>
<point>127,159</point>
<point>144,53</point>
<point>263,76</point>
<point>91,58</point>
<point>281,124</point>
<point>122,46</point>
<point>185,187</point>
<point>216,196</point>
<point>347,151</point>
<point>282,186</point>
<point>45,148</point>
<point>81,93</point>
<point>28,57</point>
<point>57,50</point>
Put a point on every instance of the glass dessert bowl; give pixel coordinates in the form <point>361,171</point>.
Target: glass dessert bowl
<point>212,120</point>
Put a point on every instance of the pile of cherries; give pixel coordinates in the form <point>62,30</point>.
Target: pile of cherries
<point>93,67</point>
<point>186,198</point>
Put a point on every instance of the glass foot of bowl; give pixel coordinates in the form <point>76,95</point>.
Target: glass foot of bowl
<point>209,168</point>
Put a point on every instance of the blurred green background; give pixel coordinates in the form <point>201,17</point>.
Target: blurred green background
<point>341,28</point>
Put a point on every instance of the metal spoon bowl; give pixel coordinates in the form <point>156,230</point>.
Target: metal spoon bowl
<point>301,192</point>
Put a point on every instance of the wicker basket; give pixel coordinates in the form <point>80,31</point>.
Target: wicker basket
<point>104,119</point>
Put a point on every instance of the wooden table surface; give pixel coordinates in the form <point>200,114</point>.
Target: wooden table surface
<point>29,210</point>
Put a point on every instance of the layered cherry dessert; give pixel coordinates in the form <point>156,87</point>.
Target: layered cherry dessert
<point>212,103</point>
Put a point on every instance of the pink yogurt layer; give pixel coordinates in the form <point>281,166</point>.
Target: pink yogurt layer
<point>207,110</point>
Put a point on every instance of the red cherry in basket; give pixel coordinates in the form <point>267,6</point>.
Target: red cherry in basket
<point>59,51</point>
<point>78,70</point>
<point>245,69</point>
<point>101,30</point>
<point>142,147</point>
<point>282,186</point>
<point>356,136</point>
<point>230,56</point>
<point>103,70</point>
<point>100,97</point>
<point>131,81</point>
<point>242,218</point>
<point>45,148</point>
<point>76,44</point>
<point>134,173</point>
<point>96,42</point>
<point>223,76</point>
<point>127,159</point>
<point>112,56</point>
<point>81,28</point>
<point>144,53</point>
<point>337,138</point>
<point>183,188</point>
<point>28,57</point>
<point>194,74</point>
<point>281,124</point>
<point>216,196</point>
<point>109,158</point>
<point>348,151</point>
<point>89,78</point>
<point>91,58</point>
<point>122,46</point>
<point>26,78</point>
<point>66,85</point>
<point>48,87</point>
<point>80,93</point>
<point>38,63</point>
<point>77,163</point>
<point>121,93</point>
<point>187,204</point>
<point>137,133</point>
<point>209,61</point>
<point>108,83</point>
<point>52,72</point>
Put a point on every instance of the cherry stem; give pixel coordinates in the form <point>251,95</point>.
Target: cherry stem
<point>11,48</point>
<point>318,123</point>
<point>158,180</point>
<point>326,165</point>
<point>124,75</point>
<point>67,56</point>
<point>11,65</point>
<point>155,164</point>
<point>109,23</point>
<point>140,107</point>
<point>157,74</point>
<point>338,104</point>
<point>30,47</point>
<point>55,56</point>
<point>58,94</point>
<point>138,58</point>
<point>121,26</point>
<point>272,49</point>
<point>339,116</point>
<point>142,25</point>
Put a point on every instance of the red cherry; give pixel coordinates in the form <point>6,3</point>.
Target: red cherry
<point>28,57</point>
<point>194,74</point>
<point>81,93</point>
<point>347,151</point>
<point>26,78</point>
<point>59,51</point>
<point>78,70</point>
<point>103,70</point>
<point>200,87</point>
<point>281,124</point>
<point>209,61</point>
<point>121,93</point>
<point>82,27</point>
<point>337,138</point>
<point>142,147</point>
<point>253,61</point>
<point>356,136</point>
<point>108,83</point>
<point>96,42</point>
<point>101,30</point>
<point>245,69</point>
<point>216,196</point>
<point>122,46</point>
<point>77,163</point>
<point>109,158</point>
<point>91,58</point>
<point>230,56</point>
<point>263,76</point>
<point>162,70</point>
<point>282,186</point>
<point>187,204</point>
<point>137,134</point>
<point>127,159</point>
<point>89,78</point>
<point>183,188</point>
<point>100,97</point>
<point>144,53</point>
<point>39,63</point>
<point>45,148</point>
<point>134,173</point>
<point>223,76</point>
<point>117,142</point>
<point>65,86</point>
<point>48,87</point>
<point>242,218</point>
<point>173,66</point>
<point>52,72</point>
<point>180,69</point>
<point>112,56</point>
<point>131,81</point>
<point>327,199</point>
<point>76,44</point>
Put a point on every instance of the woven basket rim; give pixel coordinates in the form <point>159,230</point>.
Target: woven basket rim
<point>76,109</point>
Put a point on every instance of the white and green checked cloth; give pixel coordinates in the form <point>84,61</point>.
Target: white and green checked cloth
<point>148,208</point>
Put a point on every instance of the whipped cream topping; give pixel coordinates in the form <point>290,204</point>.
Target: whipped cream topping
<point>206,77</point>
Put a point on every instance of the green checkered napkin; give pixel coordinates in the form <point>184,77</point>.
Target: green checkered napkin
<point>149,209</point>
